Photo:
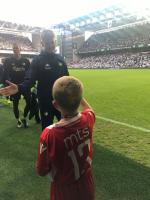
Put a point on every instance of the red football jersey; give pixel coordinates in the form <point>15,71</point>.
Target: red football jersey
<point>65,152</point>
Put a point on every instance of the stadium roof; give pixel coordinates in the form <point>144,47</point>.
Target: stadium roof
<point>111,16</point>
<point>85,15</point>
<point>35,15</point>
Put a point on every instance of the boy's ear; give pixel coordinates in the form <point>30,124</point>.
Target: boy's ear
<point>55,104</point>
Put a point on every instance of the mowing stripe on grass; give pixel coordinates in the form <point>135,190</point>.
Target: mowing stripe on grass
<point>123,124</point>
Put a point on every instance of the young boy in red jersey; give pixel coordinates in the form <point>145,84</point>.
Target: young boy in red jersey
<point>66,148</point>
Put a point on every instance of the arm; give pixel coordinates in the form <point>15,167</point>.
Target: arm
<point>9,90</point>
<point>30,77</point>
<point>89,111</point>
<point>6,71</point>
<point>84,105</point>
<point>64,69</point>
<point>42,163</point>
<point>29,81</point>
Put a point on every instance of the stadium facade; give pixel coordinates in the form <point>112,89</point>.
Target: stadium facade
<point>118,38</point>
<point>115,30</point>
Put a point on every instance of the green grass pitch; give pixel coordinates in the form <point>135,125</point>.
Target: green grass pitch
<point>121,163</point>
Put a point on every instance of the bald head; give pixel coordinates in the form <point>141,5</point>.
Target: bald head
<point>48,40</point>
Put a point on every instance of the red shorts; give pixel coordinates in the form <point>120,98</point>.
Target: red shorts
<point>83,189</point>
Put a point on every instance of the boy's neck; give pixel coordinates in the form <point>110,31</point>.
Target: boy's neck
<point>66,115</point>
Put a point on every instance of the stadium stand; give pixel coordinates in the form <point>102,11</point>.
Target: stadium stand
<point>120,39</point>
<point>6,41</point>
<point>125,60</point>
<point>27,37</point>
<point>17,33</point>
<point>125,38</point>
<point>17,27</point>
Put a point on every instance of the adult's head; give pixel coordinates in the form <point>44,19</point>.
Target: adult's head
<point>48,40</point>
<point>67,93</point>
<point>16,50</point>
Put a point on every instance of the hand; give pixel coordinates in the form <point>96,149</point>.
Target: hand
<point>9,90</point>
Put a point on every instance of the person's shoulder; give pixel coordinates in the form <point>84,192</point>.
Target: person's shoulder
<point>36,60</point>
<point>59,57</point>
<point>8,60</point>
<point>61,60</point>
<point>89,113</point>
<point>25,60</point>
<point>47,132</point>
<point>41,56</point>
<point>88,110</point>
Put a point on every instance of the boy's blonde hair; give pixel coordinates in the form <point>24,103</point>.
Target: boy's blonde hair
<point>67,91</point>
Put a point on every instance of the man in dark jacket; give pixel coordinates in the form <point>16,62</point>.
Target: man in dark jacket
<point>45,69</point>
<point>15,69</point>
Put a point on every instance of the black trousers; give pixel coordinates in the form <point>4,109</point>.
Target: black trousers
<point>48,112</point>
<point>15,99</point>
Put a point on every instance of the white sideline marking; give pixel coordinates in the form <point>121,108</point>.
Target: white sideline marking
<point>123,124</point>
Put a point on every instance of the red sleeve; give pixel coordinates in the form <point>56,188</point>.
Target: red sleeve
<point>91,117</point>
<point>43,162</point>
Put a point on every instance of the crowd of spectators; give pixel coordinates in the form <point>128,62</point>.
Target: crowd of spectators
<point>130,37</point>
<point>124,60</point>
<point>6,41</point>
<point>16,26</point>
